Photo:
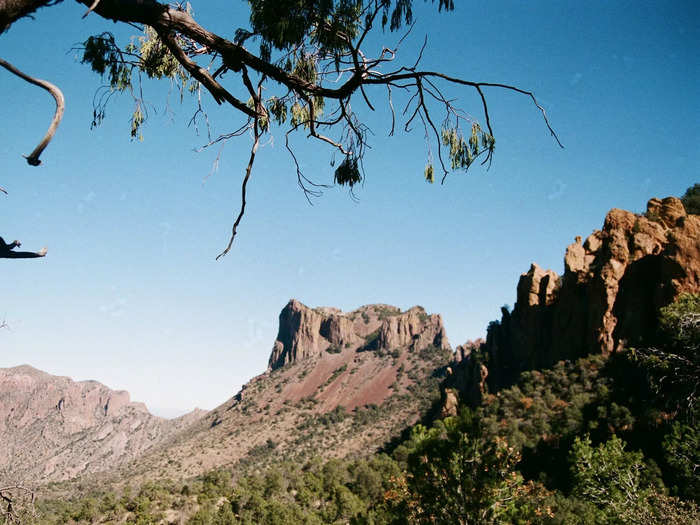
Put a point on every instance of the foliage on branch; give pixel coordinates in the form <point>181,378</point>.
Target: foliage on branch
<point>304,67</point>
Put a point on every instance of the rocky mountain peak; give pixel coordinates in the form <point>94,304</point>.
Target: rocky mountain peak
<point>306,332</point>
<point>614,282</point>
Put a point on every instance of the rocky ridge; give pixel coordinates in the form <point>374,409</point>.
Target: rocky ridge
<point>338,384</point>
<point>307,332</point>
<point>53,428</point>
<point>613,284</point>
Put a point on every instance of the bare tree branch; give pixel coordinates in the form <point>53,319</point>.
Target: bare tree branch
<point>33,157</point>
<point>249,168</point>
<point>91,8</point>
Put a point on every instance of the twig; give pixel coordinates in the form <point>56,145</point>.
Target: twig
<point>256,141</point>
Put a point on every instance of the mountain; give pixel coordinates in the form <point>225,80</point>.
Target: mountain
<point>609,296</point>
<point>344,384</point>
<point>53,428</point>
<point>338,385</point>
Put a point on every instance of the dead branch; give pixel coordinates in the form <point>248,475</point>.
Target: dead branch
<point>91,8</point>
<point>33,157</point>
<point>249,168</point>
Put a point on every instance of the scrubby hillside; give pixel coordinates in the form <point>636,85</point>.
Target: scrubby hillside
<point>339,385</point>
<point>580,408</point>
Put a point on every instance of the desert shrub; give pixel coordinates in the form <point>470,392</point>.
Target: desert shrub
<point>682,453</point>
<point>680,324</point>
<point>610,478</point>
<point>691,199</point>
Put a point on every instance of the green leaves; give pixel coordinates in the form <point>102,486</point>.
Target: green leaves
<point>611,478</point>
<point>403,14</point>
<point>146,53</point>
<point>322,20</point>
<point>691,199</point>
<point>459,475</point>
<point>429,173</point>
<point>682,452</point>
<point>137,119</point>
<point>156,59</point>
<point>463,152</point>
<point>305,68</point>
<point>105,57</point>
<point>680,323</point>
<point>278,109</point>
<point>348,172</point>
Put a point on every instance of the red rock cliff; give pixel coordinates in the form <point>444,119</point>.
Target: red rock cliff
<point>306,332</point>
<point>613,285</point>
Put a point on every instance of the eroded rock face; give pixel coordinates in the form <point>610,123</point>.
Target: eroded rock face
<point>612,287</point>
<point>53,428</point>
<point>307,332</point>
<point>413,329</point>
<point>466,376</point>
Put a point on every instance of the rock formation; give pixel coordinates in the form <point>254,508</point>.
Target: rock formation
<point>466,378</point>
<point>338,384</point>
<point>612,287</point>
<point>53,428</point>
<point>305,332</point>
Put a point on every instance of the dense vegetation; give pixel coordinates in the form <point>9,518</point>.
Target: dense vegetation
<point>691,199</point>
<point>596,441</point>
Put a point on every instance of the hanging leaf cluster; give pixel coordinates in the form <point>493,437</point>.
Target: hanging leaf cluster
<point>147,54</point>
<point>429,173</point>
<point>156,60</point>
<point>463,152</point>
<point>348,173</point>
<point>105,58</point>
<point>323,22</point>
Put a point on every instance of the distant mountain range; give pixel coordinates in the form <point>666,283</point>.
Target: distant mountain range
<point>53,428</point>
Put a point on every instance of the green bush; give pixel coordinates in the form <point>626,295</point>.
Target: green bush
<point>691,199</point>
<point>680,323</point>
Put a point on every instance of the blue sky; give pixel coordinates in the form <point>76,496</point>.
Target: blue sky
<point>130,293</point>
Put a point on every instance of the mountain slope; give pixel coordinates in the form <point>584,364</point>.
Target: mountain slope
<point>53,428</point>
<point>339,384</point>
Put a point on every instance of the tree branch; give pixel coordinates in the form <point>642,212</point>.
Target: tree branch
<point>249,168</point>
<point>33,157</point>
<point>202,75</point>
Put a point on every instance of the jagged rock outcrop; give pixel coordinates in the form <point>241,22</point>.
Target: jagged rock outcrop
<point>466,378</point>
<point>53,428</point>
<point>413,329</point>
<point>612,287</point>
<point>307,332</point>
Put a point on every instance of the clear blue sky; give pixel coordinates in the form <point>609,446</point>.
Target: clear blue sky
<point>130,294</point>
